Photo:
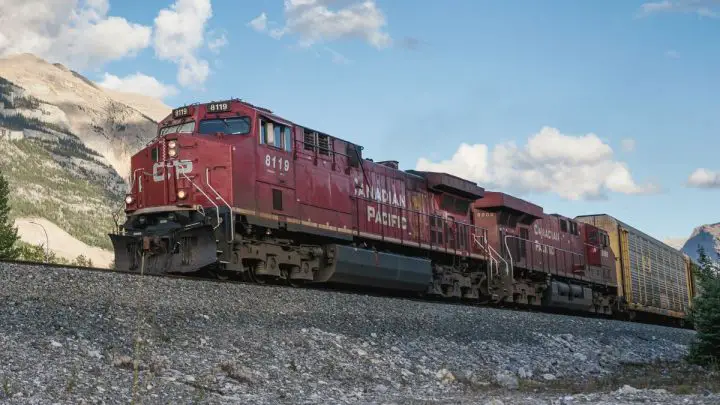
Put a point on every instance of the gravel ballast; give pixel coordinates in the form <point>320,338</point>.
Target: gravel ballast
<point>72,336</point>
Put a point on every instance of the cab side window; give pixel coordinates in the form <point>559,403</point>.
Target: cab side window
<point>276,135</point>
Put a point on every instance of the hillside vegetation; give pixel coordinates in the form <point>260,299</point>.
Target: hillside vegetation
<point>49,182</point>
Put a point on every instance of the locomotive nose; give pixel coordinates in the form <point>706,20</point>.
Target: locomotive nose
<point>182,251</point>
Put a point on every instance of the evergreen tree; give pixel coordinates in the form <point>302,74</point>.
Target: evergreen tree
<point>8,233</point>
<point>705,313</point>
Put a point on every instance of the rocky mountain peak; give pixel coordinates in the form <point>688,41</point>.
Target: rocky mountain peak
<point>113,124</point>
<point>707,236</point>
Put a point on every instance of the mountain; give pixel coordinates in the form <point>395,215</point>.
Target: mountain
<point>676,243</point>
<point>66,144</point>
<point>707,236</point>
<point>102,119</point>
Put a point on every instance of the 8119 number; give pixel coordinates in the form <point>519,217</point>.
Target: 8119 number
<point>218,107</point>
<point>277,163</point>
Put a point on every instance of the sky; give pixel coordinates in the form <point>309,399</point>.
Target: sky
<point>581,107</point>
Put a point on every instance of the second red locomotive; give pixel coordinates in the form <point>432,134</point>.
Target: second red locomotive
<point>235,189</point>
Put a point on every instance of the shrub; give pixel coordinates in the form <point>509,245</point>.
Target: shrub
<point>705,313</point>
<point>8,233</point>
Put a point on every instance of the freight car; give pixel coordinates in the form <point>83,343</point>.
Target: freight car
<point>236,190</point>
<point>654,278</point>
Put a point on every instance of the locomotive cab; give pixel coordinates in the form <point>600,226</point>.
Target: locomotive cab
<point>182,186</point>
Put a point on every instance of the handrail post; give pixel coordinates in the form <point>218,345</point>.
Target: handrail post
<point>232,216</point>
<point>217,209</point>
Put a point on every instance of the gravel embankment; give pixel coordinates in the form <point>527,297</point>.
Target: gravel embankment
<point>68,336</point>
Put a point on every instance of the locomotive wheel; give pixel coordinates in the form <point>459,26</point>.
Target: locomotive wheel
<point>295,283</point>
<point>254,277</point>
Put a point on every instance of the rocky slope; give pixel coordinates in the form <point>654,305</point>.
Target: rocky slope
<point>103,123</point>
<point>72,336</point>
<point>71,165</point>
<point>707,236</point>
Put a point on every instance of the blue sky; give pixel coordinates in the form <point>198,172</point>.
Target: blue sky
<point>410,82</point>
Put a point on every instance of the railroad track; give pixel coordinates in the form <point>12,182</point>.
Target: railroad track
<point>355,290</point>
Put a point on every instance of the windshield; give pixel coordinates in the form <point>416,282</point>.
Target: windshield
<point>184,128</point>
<point>233,126</point>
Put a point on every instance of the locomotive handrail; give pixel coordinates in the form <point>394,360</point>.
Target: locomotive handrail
<point>217,209</point>
<point>232,222</point>
<point>508,266</point>
<point>543,244</point>
<point>507,248</point>
<point>492,253</point>
<point>477,240</point>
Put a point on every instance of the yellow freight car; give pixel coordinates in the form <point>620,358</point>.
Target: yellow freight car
<point>652,277</point>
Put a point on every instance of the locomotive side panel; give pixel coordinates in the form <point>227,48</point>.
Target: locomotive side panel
<point>323,187</point>
<point>381,201</point>
<point>417,216</point>
<point>273,199</point>
<point>566,246</point>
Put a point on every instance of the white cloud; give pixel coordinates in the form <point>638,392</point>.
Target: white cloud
<point>574,167</point>
<point>704,178</point>
<point>313,21</point>
<point>138,83</point>
<point>703,8</point>
<point>627,145</point>
<point>215,44</point>
<point>179,34</point>
<point>259,23</point>
<point>77,34</point>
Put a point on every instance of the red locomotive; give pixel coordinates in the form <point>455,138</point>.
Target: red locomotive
<point>237,190</point>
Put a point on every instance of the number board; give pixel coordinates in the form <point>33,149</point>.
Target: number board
<point>218,107</point>
<point>181,112</point>
<point>277,162</point>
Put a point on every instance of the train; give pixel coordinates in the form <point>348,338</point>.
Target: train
<point>234,190</point>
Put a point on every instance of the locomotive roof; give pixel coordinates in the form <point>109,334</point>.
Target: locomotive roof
<point>452,184</point>
<point>497,199</point>
<point>270,114</point>
<point>267,113</point>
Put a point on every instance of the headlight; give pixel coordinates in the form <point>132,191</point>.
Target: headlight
<point>181,194</point>
<point>128,199</point>
<point>172,144</point>
<point>172,152</point>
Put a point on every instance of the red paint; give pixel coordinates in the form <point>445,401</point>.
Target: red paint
<point>315,187</point>
<point>298,180</point>
<point>548,243</point>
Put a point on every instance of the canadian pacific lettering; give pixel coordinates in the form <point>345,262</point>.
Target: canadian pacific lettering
<point>381,195</point>
<point>546,233</point>
<point>386,218</point>
<point>388,198</point>
<point>542,248</point>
